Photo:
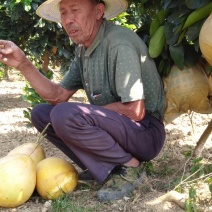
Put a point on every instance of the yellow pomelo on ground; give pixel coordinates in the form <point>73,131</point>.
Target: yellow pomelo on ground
<point>17,180</point>
<point>55,176</point>
<point>34,150</point>
<point>205,39</point>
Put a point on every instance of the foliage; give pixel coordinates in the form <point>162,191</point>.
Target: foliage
<point>1,72</point>
<point>42,41</point>
<point>173,32</point>
<point>31,96</point>
<point>190,205</point>
<point>47,43</point>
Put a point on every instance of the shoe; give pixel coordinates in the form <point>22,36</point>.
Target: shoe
<point>85,176</point>
<point>122,181</point>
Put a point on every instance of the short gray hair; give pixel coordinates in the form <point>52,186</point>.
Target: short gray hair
<point>98,1</point>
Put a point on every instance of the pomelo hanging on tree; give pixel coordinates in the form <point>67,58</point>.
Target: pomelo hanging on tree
<point>205,39</point>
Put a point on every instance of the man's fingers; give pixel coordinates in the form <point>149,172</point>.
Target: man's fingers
<point>7,50</point>
<point>6,47</point>
<point>3,58</point>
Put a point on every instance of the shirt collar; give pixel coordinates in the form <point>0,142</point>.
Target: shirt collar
<point>96,40</point>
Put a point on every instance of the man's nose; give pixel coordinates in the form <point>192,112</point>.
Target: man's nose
<point>68,18</point>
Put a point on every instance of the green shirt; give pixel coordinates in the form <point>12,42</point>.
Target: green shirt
<point>116,67</point>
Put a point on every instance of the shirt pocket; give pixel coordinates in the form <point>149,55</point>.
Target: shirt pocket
<point>103,97</point>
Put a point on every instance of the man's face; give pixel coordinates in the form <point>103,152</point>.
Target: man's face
<point>79,19</point>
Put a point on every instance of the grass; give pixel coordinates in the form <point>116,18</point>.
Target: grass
<point>1,74</point>
<point>68,203</point>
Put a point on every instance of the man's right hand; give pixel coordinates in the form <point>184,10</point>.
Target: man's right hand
<point>12,55</point>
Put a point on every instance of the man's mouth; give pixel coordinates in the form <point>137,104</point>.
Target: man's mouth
<point>73,33</point>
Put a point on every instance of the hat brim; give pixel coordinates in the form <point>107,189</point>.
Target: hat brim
<point>49,10</point>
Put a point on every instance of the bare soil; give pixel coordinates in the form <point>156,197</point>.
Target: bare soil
<point>182,135</point>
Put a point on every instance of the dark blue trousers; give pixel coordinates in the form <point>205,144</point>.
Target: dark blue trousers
<point>96,138</point>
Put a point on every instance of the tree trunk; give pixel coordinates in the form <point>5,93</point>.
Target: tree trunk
<point>45,61</point>
<point>6,74</point>
<point>200,144</point>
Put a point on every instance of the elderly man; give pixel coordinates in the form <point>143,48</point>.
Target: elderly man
<point>122,126</point>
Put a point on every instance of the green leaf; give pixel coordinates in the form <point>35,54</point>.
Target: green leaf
<point>170,4</point>
<point>197,160</point>
<point>171,37</point>
<point>193,31</point>
<point>198,14</point>
<point>157,21</point>
<point>208,70</point>
<point>175,18</point>
<point>27,8</point>
<point>166,3</point>
<point>210,187</point>
<point>188,206</point>
<point>191,54</point>
<point>161,66</point>
<point>157,42</point>
<point>167,68</point>
<point>191,4</point>
<point>192,192</point>
<point>34,6</point>
<point>177,54</point>
<point>181,37</point>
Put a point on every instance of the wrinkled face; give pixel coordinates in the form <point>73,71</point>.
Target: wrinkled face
<point>80,19</point>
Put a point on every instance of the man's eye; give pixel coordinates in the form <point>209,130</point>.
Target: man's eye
<point>62,12</point>
<point>75,9</point>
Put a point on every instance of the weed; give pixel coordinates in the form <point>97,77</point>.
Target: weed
<point>200,172</point>
<point>1,74</point>
<point>66,204</point>
<point>190,204</point>
<point>149,168</point>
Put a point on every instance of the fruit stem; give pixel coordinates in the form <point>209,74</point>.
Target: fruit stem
<point>41,137</point>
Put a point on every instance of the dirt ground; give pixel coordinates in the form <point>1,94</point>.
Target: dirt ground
<point>181,139</point>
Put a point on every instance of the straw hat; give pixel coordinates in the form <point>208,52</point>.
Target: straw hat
<point>49,10</point>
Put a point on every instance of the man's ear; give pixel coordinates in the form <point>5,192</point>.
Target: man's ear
<point>100,9</point>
